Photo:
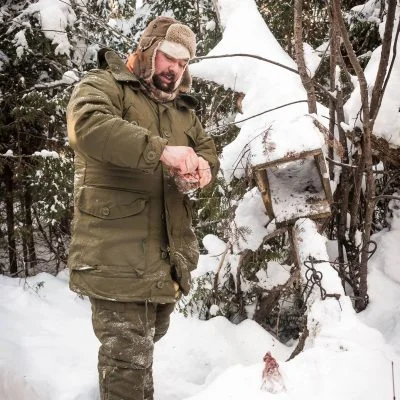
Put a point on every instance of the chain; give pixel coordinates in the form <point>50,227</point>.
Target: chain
<point>314,278</point>
<point>349,271</point>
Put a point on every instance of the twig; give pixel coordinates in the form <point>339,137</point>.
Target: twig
<point>276,232</point>
<point>385,196</point>
<point>255,115</point>
<point>19,156</point>
<point>247,55</point>
<point>340,164</point>
<point>322,59</point>
<point>394,389</point>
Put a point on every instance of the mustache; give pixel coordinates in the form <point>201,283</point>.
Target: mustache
<point>169,75</point>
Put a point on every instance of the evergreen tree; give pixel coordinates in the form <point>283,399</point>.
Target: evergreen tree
<point>45,51</point>
<point>32,126</point>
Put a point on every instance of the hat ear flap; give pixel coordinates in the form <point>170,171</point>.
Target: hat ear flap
<point>147,42</point>
<point>144,65</point>
<point>186,81</point>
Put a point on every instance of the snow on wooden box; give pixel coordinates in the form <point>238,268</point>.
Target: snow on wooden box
<point>295,186</point>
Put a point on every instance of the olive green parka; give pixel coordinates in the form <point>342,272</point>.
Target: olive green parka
<point>132,232</point>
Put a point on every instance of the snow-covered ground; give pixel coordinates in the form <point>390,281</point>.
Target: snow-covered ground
<point>48,350</point>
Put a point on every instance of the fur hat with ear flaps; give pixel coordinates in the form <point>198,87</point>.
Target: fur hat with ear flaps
<point>173,38</point>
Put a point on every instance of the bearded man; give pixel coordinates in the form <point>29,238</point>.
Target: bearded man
<point>138,145</point>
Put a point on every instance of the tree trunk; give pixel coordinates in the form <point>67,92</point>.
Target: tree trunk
<point>24,242</point>
<point>336,118</point>
<point>367,155</point>
<point>9,200</point>
<point>333,61</point>
<point>369,212</point>
<point>29,227</point>
<point>356,196</point>
<point>298,44</point>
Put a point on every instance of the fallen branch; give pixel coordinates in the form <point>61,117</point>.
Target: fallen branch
<point>300,345</point>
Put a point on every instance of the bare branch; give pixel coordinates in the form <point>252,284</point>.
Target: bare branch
<point>393,58</point>
<point>256,115</point>
<point>247,55</point>
<point>353,59</point>
<point>385,196</point>
<point>298,44</point>
<point>339,164</point>
<point>378,91</point>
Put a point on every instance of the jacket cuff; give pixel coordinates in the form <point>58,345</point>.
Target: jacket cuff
<point>152,152</point>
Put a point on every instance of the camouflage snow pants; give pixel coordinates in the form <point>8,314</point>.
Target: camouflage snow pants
<point>127,333</point>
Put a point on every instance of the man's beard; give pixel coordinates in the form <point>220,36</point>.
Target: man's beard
<point>165,87</point>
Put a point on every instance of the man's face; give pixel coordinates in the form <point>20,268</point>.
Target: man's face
<point>168,71</point>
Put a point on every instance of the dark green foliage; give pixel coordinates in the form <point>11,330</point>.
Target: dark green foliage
<point>286,320</point>
<point>109,23</point>
<point>387,184</point>
<point>279,17</point>
<point>364,36</point>
<point>32,125</point>
<point>214,204</point>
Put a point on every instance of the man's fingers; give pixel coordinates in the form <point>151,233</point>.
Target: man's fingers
<point>185,161</point>
<point>191,163</point>
<point>204,172</point>
<point>181,158</point>
<point>205,179</point>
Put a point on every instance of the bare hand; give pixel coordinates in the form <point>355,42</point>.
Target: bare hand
<point>182,159</point>
<point>204,171</point>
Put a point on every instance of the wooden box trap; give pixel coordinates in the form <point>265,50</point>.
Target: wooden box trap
<point>296,186</point>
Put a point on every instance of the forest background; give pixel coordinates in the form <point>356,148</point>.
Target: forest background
<point>48,45</point>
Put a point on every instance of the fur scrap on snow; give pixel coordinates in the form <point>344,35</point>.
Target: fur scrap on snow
<point>272,380</point>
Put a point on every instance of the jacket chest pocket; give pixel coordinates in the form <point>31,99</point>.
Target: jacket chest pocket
<point>113,225</point>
